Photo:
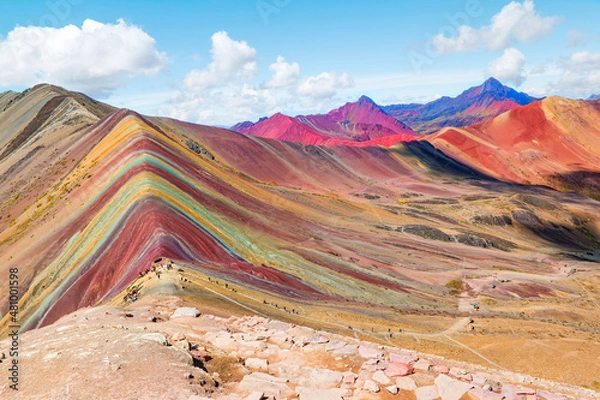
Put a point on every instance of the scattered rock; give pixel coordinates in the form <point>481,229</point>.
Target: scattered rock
<point>177,336</point>
<point>422,365</point>
<point>349,379</point>
<point>406,383</point>
<point>398,369</point>
<point>349,349</point>
<point>403,358</point>
<point>257,364</point>
<point>392,389</point>
<point>326,378</point>
<point>451,389</point>
<point>317,339</point>
<point>186,312</point>
<point>371,386</point>
<point>334,345</point>
<point>427,393</point>
<point>382,378</point>
<point>369,352</point>
<point>441,369</point>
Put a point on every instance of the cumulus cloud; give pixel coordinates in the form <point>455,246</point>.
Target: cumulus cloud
<point>324,85</point>
<point>96,58</point>
<point>510,67</point>
<point>229,90</point>
<point>580,74</point>
<point>230,58</point>
<point>516,22</point>
<point>284,74</point>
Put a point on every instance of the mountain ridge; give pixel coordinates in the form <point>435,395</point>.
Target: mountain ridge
<point>473,106</point>
<point>374,236</point>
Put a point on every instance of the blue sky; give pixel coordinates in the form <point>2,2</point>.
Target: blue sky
<point>222,61</point>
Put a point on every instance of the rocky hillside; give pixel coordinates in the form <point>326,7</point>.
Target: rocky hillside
<point>162,347</point>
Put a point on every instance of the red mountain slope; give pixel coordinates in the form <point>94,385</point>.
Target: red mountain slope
<point>362,123</point>
<point>545,142</point>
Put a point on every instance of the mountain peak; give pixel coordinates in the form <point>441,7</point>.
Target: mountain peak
<point>365,100</point>
<point>491,85</point>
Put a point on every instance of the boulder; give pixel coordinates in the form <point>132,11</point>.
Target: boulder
<point>371,386</point>
<point>392,389</point>
<point>398,369</point>
<point>186,312</point>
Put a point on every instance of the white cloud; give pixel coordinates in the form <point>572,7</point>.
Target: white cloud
<point>230,58</point>
<point>580,74</point>
<point>284,74</point>
<point>509,67</point>
<point>324,85</point>
<point>468,39</point>
<point>96,58</point>
<point>516,22</point>
<point>229,89</point>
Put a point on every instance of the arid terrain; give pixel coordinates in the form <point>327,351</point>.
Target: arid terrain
<point>159,347</point>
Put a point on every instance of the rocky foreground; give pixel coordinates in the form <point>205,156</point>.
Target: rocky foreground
<point>156,349</point>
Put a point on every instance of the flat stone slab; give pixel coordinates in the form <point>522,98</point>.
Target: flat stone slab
<point>317,339</point>
<point>369,352</point>
<point>403,358</point>
<point>451,389</point>
<point>422,365</point>
<point>326,378</point>
<point>381,377</point>
<point>427,393</point>
<point>334,345</point>
<point>406,383</point>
